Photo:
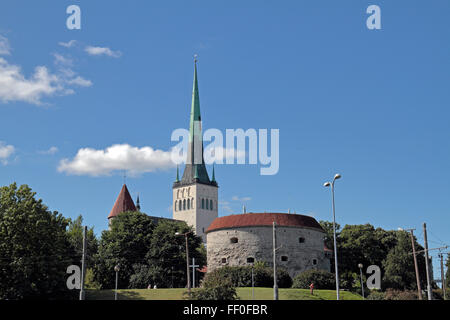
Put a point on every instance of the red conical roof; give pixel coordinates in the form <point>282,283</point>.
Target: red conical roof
<point>123,203</point>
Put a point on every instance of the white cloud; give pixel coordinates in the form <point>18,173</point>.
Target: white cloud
<point>98,51</point>
<point>118,157</point>
<point>5,152</point>
<point>225,205</point>
<point>50,151</point>
<point>79,81</point>
<point>14,86</point>
<point>236,198</point>
<point>69,44</point>
<point>62,60</point>
<point>5,48</point>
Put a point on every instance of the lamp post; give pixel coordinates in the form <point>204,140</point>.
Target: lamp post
<point>360,266</point>
<point>187,260</point>
<point>328,184</point>
<point>116,269</point>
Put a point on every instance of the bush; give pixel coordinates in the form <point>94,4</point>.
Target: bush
<point>214,287</point>
<point>375,295</point>
<point>262,276</point>
<point>392,294</point>
<point>321,279</point>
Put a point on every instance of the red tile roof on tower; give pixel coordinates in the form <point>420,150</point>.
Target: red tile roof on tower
<point>123,203</point>
<point>264,219</point>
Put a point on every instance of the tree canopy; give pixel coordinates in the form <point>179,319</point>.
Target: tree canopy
<point>34,247</point>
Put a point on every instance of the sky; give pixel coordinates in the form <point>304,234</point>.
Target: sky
<point>79,106</point>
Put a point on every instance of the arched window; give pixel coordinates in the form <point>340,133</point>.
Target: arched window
<point>234,240</point>
<point>224,260</point>
<point>314,261</point>
<point>179,205</point>
<point>175,206</point>
<point>203,203</point>
<point>184,204</point>
<point>207,204</point>
<point>189,204</point>
<point>189,192</point>
<point>178,194</point>
<point>192,203</point>
<point>284,258</point>
<point>250,260</point>
<point>301,240</point>
<point>210,204</point>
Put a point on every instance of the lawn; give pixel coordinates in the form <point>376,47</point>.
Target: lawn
<point>243,293</point>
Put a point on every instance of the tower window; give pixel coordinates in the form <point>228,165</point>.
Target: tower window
<point>224,260</point>
<point>250,260</point>
<point>192,203</point>
<point>203,203</point>
<point>234,240</point>
<point>284,258</point>
<point>189,204</point>
<point>207,204</point>
<point>314,261</point>
<point>210,204</point>
<point>184,204</point>
<point>301,240</point>
<point>175,206</point>
<point>179,205</point>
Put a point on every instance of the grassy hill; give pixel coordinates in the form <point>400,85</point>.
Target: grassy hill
<point>243,293</point>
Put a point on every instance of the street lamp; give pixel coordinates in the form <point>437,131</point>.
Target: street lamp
<point>187,259</point>
<point>328,184</point>
<point>360,266</point>
<point>116,269</point>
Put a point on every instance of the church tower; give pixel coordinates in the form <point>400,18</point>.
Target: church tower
<point>195,196</point>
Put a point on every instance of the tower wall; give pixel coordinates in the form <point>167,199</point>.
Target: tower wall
<point>197,215</point>
<point>256,242</point>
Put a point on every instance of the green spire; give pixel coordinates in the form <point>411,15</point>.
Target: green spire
<point>213,175</point>
<point>178,175</point>
<point>196,172</point>
<point>195,106</point>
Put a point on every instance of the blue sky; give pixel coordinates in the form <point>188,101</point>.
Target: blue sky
<point>369,104</point>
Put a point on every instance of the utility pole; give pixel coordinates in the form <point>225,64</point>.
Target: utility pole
<point>419,289</point>
<point>275,285</point>
<point>83,263</point>
<point>430,297</point>
<point>442,274</point>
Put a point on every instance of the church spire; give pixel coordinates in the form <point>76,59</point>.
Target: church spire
<point>195,169</point>
<point>138,204</point>
<point>213,175</point>
<point>178,175</point>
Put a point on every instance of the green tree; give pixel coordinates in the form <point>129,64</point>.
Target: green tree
<point>327,226</point>
<point>125,244</point>
<point>399,270</point>
<point>166,256</point>
<point>75,233</point>
<point>34,247</point>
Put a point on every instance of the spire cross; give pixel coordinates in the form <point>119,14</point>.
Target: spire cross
<point>195,58</point>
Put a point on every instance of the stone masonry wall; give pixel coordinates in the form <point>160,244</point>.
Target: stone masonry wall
<point>256,242</point>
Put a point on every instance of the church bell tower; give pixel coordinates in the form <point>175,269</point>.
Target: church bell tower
<point>195,196</point>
